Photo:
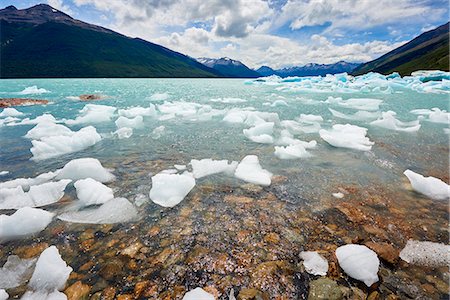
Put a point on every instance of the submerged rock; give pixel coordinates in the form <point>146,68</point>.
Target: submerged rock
<point>324,288</point>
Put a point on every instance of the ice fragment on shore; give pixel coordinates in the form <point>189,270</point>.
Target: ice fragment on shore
<point>170,189</point>
<point>3,294</point>
<point>389,121</point>
<point>38,195</point>
<point>93,113</point>
<point>82,168</point>
<point>116,210</point>
<point>359,262</point>
<point>92,192</point>
<point>23,222</point>
<point>26,183</point>
<point>53,146</point>
<point>10,112</point>
<point>208,166</point>
<point>426,253</point>
<point>124,132</point>
<point>431,187</point>
<point>347,136</point>
<point>314,263</point>
<point>251,171</point>
<point>338,195</point>
<point>16,271</point>
<point>198,294</point>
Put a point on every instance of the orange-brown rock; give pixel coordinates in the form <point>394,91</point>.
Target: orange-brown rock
<point>90,97</point>
<point>385,251</point>
<point>8,102</point>
<point>77,291</point>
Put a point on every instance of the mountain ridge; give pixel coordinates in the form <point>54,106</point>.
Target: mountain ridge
<point>310,69</point>
<point>229,67</point>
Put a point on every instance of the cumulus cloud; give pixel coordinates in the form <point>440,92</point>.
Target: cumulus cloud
<point>59,5</point>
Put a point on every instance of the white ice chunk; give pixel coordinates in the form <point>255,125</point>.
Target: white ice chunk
<point>291,152</point>
<point>25,183</point>
<point>159,96</point>
<point>136,122</point>
<point>138,111</point>
<point>260,133</point>
<point>23,222</point>
<point>3,294</point>
<point>435,115</point>
<point>51,272</point>
<point>251,171</point>
<point>45,118</point>
<point>431,187</point>
<point>359,262</point>
<point>314,263</point>
<point>43,295</point>
<point>357,103</point>
<point>116,210</point>
<point>426,253</point>
<point>92,192</point>
<point>170,189</point>
<point>360,115</point>
<point>389,121</point>
<point>180,167</point>
<point>347,136</point>
<point>45,129</point>
<point>338,195</point>
<point>278,103</point>
<point>93,113</point>
<point>16,271</point>
<point>33,90</point>
<point>124,132</point>
<point>53,146</point>
<point>38,195</point>
<point>198,294</point>
<point>82,168</point>
<point>228,100</point>
<point>10,112</point>
<point>3,173</point>
<point>304,118</point>
<point>158,131</point>
<point>208,166</point>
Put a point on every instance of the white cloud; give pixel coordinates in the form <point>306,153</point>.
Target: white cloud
<point>59,5</point>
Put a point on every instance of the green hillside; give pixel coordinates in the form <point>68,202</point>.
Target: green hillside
<point>428,51</point>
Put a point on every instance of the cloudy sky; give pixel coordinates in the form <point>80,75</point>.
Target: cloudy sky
<point>277,33</point>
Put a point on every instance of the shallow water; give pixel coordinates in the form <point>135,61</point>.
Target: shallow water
<point>212,239</point>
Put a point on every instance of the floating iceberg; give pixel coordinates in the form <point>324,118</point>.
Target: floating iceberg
<point>359,262</point>
<point>93,113</point>
<point>53,146</point>
<point>170,189</point>
<point>435,115</point>
<point>360,115</point>
<point>251,171</point>
<point>157,132</point>
<point>291,152</point>
<point>228,100</point>
<point>136,122</point>
<point>82,168</point>
<point>46,129</point>
<point>428,186</point>
<point>23,222</point>
<point>427,254</point>
<point>16,271</point>
<point>389,121</point>
<point>124,132</point>
<point>26,183</point>
<point>314,263</point>
<point>33,90</point>
<point>347,136</point>
<point>278,103</point>
<point>260,133</point>
<point>92,192</point>
<point>10,112</point>
<point>356,103</point>
<point>45,118</point>
<point>116,210</point>
<point>38,195</point>
<point>133,112</point>
<point>208,166</point>
<point>198,294</point>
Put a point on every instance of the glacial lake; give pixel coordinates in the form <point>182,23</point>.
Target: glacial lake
<point>234,231</point>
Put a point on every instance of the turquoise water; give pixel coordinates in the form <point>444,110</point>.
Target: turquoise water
<point>303,187</point>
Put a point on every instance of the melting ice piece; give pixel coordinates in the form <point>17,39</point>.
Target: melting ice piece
<point>208,166</point>
<point>304,118</point>
<point>159,96</point>
<point>3,295</point>
<point>357,103</point>
<point>23,222</point>
<point>338,195</point>
<point>38,195</point>
<point>51,272</point>
<point>251,171</point>
<point>136,122</point>
<point>116,210</point>
<point>347,136</point>
<point>53,146</point>
<point>198,294</point>
<point>82,168</point>
<point>93,113</point>
<point>278,103</point>
<point>429,186</point>
<point>16,271</point>
<point>10,112</point>
<point>45,129</point>
<point>314,263</point>
<point>389,121</point>
<point>33,90</point>
<point>170,189</point>
<point>45,118</point>
<point>3,173</point>
<point>25,183</point>
<point>228,100</point>
<point>92,192</point>
<point>158,131</point>
<point>138,111</point>
<point>426,253</point>
<point>124,132</point>
<point>291,152</point>
<point>360,115</point>
<point>260,133</point>
<point>435,115</point>
<point>359,262</point>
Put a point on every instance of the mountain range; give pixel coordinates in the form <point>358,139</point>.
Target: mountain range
<point>428,51</point>
<point>310,69</point>
<point>229,67</point>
